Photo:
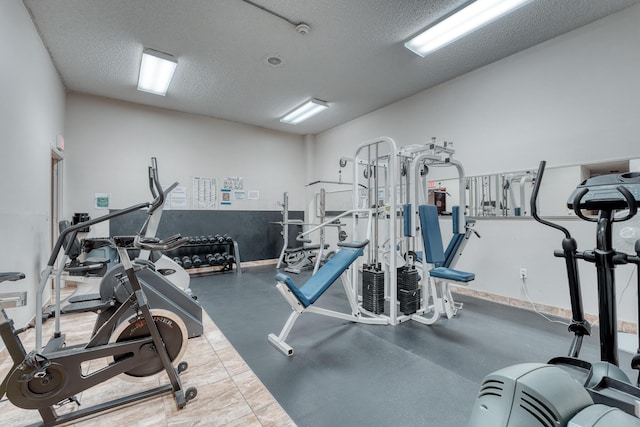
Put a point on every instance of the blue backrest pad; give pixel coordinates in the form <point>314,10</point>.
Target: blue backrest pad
<point>406,214</point>
<point>454,219</point>
<point>431,234</point>
<point>308,293</point>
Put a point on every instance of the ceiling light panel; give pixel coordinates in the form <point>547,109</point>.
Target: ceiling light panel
<point>304,111</point>
<point>465,21</point>
<point>156,72</point>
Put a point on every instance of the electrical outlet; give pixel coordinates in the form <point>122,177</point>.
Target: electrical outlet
<point>523,273</point>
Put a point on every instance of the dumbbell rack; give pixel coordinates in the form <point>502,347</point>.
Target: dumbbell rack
<point>208,254</point>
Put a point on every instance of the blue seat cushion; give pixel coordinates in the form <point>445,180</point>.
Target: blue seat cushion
<point>451,274</point>
<point>311,290</point>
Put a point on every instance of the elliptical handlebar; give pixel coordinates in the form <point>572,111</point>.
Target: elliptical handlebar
<point>579,325</point>
<point>158,201</point>
<point>154,185</point>
<point>628,197</point>
<point>74,228</point>
<point>534,202</point>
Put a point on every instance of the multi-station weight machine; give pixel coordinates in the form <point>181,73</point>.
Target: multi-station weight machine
<point>401,243</point>
<point>404,225</point>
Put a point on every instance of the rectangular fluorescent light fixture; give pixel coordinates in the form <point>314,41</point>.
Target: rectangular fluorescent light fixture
<point>156,71</point>
<point>457,25</point>
<point>305,111</point>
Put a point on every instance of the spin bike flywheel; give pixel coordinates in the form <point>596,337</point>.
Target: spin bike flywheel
<point>172,330</point>
<point>29,387</point>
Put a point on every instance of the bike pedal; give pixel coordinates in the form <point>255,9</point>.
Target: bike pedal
<point>66,401</point>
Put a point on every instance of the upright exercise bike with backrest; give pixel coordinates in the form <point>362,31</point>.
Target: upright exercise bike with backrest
<point>568,391</point>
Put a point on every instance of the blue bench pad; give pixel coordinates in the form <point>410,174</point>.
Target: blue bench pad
<point>308,293</point>
<point>451,274</point>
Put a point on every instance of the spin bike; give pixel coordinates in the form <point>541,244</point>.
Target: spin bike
<point>142,344</point>
<point>569,391</point>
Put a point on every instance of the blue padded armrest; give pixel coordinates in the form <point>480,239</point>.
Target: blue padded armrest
<point>455,211</point>
<point>431,236</point>
<point>451,274</point>
<point>454,245</point>
<point>308,293</point>
<point>406,215</point>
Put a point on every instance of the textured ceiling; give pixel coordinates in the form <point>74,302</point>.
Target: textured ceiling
<point>353,57</point>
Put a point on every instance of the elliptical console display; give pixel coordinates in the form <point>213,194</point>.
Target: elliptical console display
<point>606,192</point>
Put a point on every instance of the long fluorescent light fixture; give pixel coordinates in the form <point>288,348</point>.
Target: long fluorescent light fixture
<point>305,111</point>
<point>466,20</point>
<point>156,71</point>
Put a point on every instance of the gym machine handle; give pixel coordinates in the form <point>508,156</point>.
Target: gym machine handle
<point>154,185</point>
<point>534,202</point>
<point>74,228</point>
<point>590,256</point>
<point>155,244</point>
<point>631,204</point>
<point>579,325</point>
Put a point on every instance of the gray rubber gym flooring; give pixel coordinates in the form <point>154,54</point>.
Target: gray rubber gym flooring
<point>345,374</point>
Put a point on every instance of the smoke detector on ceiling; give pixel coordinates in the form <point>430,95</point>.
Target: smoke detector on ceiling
<point>303,28</point>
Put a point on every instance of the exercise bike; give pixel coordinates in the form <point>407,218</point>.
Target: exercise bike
<point>569,391</point>
<point>143,344</point>
<point>160,291</point>
<point>101,256</point>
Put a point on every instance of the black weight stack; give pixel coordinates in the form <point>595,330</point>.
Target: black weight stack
<point>408,291</point>
<point>373,288</point>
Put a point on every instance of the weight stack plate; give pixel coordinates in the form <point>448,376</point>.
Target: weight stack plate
<point>372,289</point>
<point>409,300</point>
<point>407,278</point>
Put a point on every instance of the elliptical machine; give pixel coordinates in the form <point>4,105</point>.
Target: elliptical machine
<point>568,391</point>
<point>101,256</point>
<point>161,292</point>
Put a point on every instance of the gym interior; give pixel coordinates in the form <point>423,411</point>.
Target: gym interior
<point>451,240</point>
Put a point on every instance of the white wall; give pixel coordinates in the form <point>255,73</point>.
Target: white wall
<point>109,145</point>
<point>571,100</point>
<point>31,116</point>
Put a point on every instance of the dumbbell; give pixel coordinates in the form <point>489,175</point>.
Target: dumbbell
<point>209,258</point>
<point>228,259</point>
<point>177,261</point>
<point>192,240</point>
<point>217,259</point>
<point>228,238</point>
<point>196,261</point>
<point>186,262</point>
<point>211,239</point>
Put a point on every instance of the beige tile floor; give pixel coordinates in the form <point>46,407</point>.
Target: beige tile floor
<point>229,393</point>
